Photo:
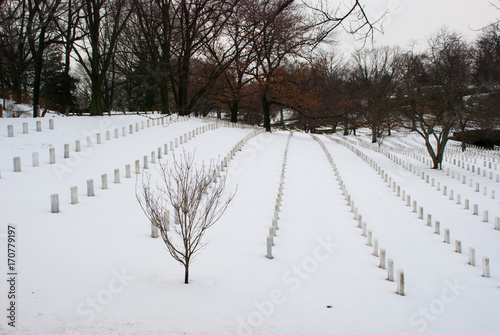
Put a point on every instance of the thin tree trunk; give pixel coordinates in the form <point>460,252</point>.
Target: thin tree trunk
<point>36,84</point>
<point>463,137</point>
<point>96,98</point>
<point>164,96</point>
<point>186,273</point>
<point>68,47</point>
<point>430,149</point>
<point>183,85</point>
<point>266,108</point>
<point>374,134</point>
<point>37,80</point>
<point>234,106</point>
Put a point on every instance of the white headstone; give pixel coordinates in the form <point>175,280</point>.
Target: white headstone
<point>36,159</point>
<point>269,254</point>
<point>66,151</point>
<point>390,269</point>
<point>54,203</point>
<point>104,181</point>
<point>137,167</point>
<point>400,282</point>
<point>117,176</point>
<point>472,256</point>
<point>52,155</point>
<point>90,188</point>
<point>154,231</point>
<point>437,227</point>
<point>74,195</point>
<point>382,258</point>
<point>17,164</point>
<point>447,235</point>
<point>486,267</point>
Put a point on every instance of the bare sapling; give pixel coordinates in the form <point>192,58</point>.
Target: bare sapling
<point>188,191</point>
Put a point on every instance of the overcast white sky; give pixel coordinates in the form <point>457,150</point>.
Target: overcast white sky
<point>416,20</point>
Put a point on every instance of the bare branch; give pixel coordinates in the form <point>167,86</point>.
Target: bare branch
<point>352,18</point>
<point>197,198</point>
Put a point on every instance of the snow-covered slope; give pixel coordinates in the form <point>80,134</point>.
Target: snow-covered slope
<point>93,268</point>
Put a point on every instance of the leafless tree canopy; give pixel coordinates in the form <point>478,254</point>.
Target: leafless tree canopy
<point>197,198</point>
<point>350,17</point>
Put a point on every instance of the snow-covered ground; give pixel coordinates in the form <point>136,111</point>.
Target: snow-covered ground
<point>94,269</point>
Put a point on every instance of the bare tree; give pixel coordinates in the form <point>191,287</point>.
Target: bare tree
<point>15,55</point>
<point>372,77</point>
<point>102,25</point>
<point>284,30</point>
<point>236,78</point>
<point>42,32</point>
<point>331,72</point>
<point>277,35</point>
<point>68,27</point>
<point>350,17</point>
<point>198,200</point>
<point>487,74</point>
<point>434,88</point>
<point>150,49</point>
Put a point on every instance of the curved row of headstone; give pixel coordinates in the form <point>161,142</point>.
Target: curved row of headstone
<point>223,167</point>
<point>147,159</point>
<point>415,208</point>
<point>447,192</point>
<point>274,226</point>
<point>371,241</point>
<point>89,140</point>
<point>449,173</point>
<point>25,127</point>
<point>452,156</point>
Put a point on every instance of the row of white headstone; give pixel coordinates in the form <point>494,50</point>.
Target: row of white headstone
<point>78,144</point>
<point>412,168</point>
<point>146,160</point>
<point>473,168</point>
<point>450,173</point>
<point>222,167</point>
<point>370,240</point>
<point>420,210</point>
<point>464,160</point>
<point>449,192</point>
<point>393,155</point>
<point>274,226</point>
<point>25,130</point>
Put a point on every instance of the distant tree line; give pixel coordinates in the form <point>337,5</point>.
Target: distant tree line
<point>252,60</point>
<point>452,86</point>
<point>171,55</point>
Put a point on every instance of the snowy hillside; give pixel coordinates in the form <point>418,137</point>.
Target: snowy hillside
<point>93,268</point>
